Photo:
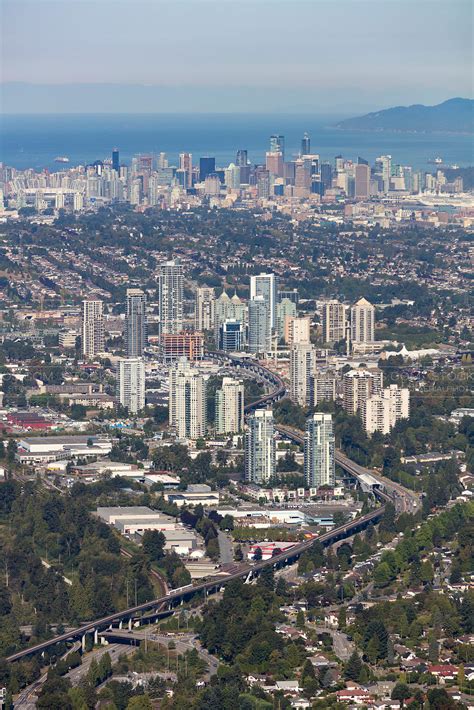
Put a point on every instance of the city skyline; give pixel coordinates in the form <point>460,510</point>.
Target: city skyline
<point>232,45</point>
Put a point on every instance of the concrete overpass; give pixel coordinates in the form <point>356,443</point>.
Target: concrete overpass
<point>165,604</point>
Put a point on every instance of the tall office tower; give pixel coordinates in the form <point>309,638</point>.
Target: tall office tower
<point>334,322</point>
<point>170,297</point>
<point>319,451</point>
<point>93,339</point>
<point>207,165</point>
<point>323,388</point>
<point>285,308</point>
<point>302,366</point>
<point>359,386</point>
<point>266,285</point>
<point>383,166</point>
<point>231,335</point>
<point>230,406</point>
<point>260,454</point>
<point>162,161</point>
<point>297,330</point>
<point>305,144</point>
<point>274,163</point>
<point>263,185</point>
<point>205,308</point>
<point>362,322</point>
<point>212,185</point>
<point>362,182</point>
<point>326,175</point>
<point>382,411</point>
<point>187,401</point>
<point>135,323</point>
<point>302,177</point>
<point>241,158</point>
<point>277,145</point>
<point>131,383</point>
<point>186,164</point>
<point>116,160</point>
<point>232,176</point>
<point>259,333</point>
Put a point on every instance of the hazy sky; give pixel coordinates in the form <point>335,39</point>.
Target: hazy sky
<point>287,55</point>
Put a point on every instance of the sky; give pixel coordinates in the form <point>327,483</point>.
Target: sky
<point>323,56</point>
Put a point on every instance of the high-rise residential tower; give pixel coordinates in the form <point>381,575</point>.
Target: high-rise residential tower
<point>131,383</point>
<point>259,334</point>
<point>302,366</point>
<point>187,401</point>
<point>319,451</point>
<point>266,285</point>
<point>230,407</point>
<point>135,323</point>
<point>170,297</point>
<point>334,322</point>
<point>260,452</point>
<point>358,386</point>
<point>205,308</point>
<point>362,322</point>
<point>93,339</point>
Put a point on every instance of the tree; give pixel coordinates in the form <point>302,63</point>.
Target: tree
<point>238,554</point>
<point>257,555</point>
<point>153,544</point>
<point>353,667</point>
<point>401,692</point>
<point>300,621</point>
<point>342,618</point>
<point>140,702</point>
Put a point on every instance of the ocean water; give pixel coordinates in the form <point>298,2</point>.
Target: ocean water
<point>35,140</point>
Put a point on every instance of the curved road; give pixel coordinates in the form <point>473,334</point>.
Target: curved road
<point>248,571</point>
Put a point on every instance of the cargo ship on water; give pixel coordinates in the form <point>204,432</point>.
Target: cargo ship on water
<point>61,159</point>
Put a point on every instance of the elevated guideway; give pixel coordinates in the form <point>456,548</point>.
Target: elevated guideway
<point>387,491</point>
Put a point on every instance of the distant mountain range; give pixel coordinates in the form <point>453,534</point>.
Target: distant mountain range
<point>454,115</point>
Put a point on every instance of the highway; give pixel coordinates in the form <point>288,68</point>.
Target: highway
<point>247,571</point>
<point>211,585</point>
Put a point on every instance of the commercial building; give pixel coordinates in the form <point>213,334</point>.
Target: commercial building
<point>230,407</point>
<point>302,365</point>
<point>205,308</point>
<point>319,451</point>
<point>135,323</point>
<point>93,339</point>
<point>362,322</point>
<point>231,336</point>
<point>382,411</point>
<point>207,166</point>
<point>334,322</point>
<point>260,453</point>
<point>40,449</point>
<point>131,383</point>
<point>170,297</point>
<point>362,182</point>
